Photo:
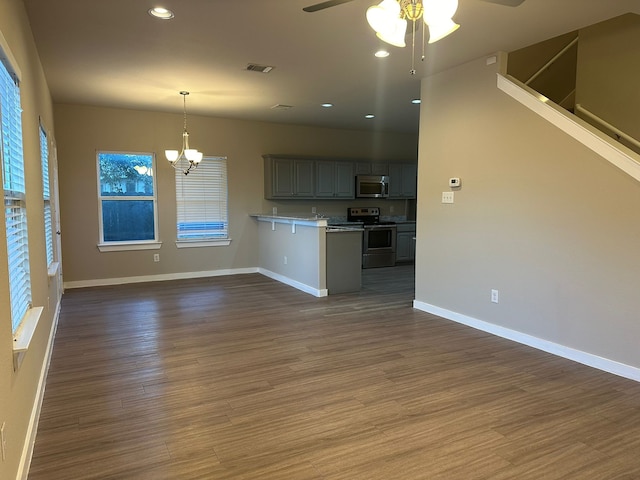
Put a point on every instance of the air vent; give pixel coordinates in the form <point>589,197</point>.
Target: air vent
<point>280,106</point>
<point>252,67</point>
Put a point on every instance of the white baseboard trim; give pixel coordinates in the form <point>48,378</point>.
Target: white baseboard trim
<point>32,429</point>
<point>589,359</point>
<point>101,282</point>
<point>323,292</point>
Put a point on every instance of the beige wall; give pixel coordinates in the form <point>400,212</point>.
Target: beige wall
<point>18,389</point>
<point>539,217</point>
<point>82,130</point>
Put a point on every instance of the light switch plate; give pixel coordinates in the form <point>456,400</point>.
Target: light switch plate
<point>447,197</point>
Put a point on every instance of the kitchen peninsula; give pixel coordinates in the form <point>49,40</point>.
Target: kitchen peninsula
<point>294,250</point>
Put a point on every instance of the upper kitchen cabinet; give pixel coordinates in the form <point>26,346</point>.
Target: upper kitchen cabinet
<point>288,177</point>
<point>372,168</point>
<point>334,179</point>
<point>403,180</point>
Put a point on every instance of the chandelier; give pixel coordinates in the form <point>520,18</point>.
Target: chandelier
<point>187,158</point>
<point>389,20</point>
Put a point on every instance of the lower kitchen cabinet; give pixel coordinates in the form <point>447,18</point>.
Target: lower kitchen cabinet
<point>344,260</point>
<point>405,243</point>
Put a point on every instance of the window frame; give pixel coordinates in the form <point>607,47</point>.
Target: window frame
<point>199,176</point>
<point>12,172</point>
<point>46,196</point>
<point>111,246</point>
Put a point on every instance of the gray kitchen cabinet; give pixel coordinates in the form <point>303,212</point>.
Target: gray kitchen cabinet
<point>405,243</point>
<point>288,177</point>
<point>334,179</point>
<point>403,180</point>
<point>344,260</point>
<point>372,168</point>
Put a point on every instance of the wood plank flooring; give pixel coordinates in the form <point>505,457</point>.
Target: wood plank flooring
<point>241,377</point>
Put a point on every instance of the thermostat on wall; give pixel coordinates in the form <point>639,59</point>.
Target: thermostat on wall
<point>454,182</point>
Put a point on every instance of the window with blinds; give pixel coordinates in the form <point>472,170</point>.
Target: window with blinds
<point>46,194</point>
<point>14,196</point>
<point>201,197</point>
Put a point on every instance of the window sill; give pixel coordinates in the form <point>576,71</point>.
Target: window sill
<point>52,271</point>
<point>126,246</point>
<point>24,334</point>
<point>203,243</point>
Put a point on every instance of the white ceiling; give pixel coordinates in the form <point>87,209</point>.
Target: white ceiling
<point>111,52</point>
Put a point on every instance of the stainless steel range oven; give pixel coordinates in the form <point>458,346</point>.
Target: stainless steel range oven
<point>378,240</point>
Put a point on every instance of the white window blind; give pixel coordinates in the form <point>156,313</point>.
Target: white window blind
<point>14,196</point>
<point>201,196</point>
<point>46,194</point>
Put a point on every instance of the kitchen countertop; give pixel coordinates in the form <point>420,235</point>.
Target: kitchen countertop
<point>312,220</point>
<point>342,228</point>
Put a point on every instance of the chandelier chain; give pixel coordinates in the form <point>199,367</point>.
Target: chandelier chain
<point>184,107</point>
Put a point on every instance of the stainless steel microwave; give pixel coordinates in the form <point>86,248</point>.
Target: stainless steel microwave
<point>372,186</point>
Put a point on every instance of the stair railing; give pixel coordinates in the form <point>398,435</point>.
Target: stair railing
<point>616,131</point>
<point>553,59</point>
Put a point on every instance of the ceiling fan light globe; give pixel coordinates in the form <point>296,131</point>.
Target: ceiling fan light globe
<point>395,35</point>
<point>439,30</point>
<point>382,17</point>
<point>378,19</point>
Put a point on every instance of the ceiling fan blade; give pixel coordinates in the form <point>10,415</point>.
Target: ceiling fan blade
<point>323,5</point>
<point>507,3</point>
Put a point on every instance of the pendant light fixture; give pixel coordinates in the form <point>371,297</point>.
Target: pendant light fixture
<point>390,18</point>
<point>187,158</point>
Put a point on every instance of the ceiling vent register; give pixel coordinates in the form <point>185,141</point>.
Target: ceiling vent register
<point>253,67</point>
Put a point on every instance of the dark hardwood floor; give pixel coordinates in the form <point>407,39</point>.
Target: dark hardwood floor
<point>241,377</point>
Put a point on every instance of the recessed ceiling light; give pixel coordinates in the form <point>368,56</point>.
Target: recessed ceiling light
<point>416,101</point>
<point>327,105</point>
<point>382,53</point>
<point>369,115</point>
<point>160,12</point>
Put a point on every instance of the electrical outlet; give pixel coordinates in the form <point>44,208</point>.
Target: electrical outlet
<point>391,209</point>
<point>313,210</point>
<point>494,296</point>
<point>447,197</point>
<point>156,257</point>
<point>285,260</point>
<point>3,442</point>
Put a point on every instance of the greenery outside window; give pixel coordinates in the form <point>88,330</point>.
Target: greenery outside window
<point>127,200</point>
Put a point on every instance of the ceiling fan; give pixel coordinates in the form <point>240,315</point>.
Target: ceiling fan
<point>333,3</point>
